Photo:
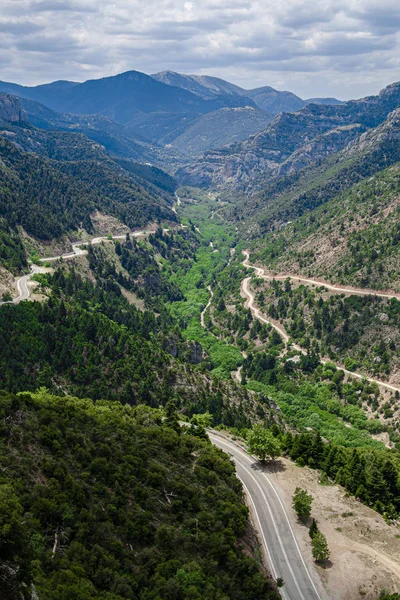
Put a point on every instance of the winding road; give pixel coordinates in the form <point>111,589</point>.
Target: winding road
<point>250,303</point>
<point>77,250</point>
<point>272,521</point>
<point>260,272</point>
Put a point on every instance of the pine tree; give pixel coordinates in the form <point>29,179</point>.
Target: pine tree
<point>313,530</point>
<point>320,550</point>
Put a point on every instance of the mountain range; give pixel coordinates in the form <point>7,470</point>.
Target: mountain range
<point>290,142</point>
<point>136,108</point>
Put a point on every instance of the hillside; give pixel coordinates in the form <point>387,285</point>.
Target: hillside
<point>116,139</point>
<point>53,181</point>
<point>250,164</point>
<point>111,503</point>
<point>218,128</point>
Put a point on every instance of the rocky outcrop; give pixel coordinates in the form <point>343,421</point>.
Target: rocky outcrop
<point>290,142</point>
<point>11,110</point>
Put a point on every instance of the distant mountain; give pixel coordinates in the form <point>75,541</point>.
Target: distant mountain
<point>151,110</point>
<point>121,97</point>
<point>204,86</point>
<point>323,101</point>
<point>274,101</point>
<point>250,164</point>
<point>221,127</point>
<point>267,98</point>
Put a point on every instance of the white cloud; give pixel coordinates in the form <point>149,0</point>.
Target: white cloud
<point>345,48</point>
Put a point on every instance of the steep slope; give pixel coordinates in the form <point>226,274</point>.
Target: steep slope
<point>52,182</point>
<point>274,101</point>
<point>255,160</point>
<point>218,128</point>
<point>290,196</point>
<point>104,501</point>
<point>116,139</point>
<point>202,85</point>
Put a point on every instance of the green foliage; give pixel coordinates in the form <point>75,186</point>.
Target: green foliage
<point>262,443</point>
<point>313,529</point>
<point>302,502</point>
<point>110,504</point>
<point>51,197</point>
<point>320,550</point>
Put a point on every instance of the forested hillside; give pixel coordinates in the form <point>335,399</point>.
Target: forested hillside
<point>111,502</point>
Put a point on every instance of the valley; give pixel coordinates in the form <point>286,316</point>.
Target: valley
<point>187,265</point>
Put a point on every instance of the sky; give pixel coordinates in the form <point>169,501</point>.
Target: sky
<point>342,48</point>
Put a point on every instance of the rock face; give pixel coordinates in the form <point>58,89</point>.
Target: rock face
<point>11,111</point>
<point>290,142</point>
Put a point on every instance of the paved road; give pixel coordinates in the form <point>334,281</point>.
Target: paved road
<point>77,250</point>
<point>250,301</point>
<point>280,545</point>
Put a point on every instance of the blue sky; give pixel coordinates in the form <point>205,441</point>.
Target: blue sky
<point>336,48</point>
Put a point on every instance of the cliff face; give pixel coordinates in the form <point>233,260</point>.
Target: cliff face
<point>290,142</point>
<point>11,110</point>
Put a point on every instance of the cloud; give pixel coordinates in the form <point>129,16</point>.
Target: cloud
<point>346,48</point>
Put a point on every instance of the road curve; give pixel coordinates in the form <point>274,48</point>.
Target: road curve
<point>250,300</point>
<point>280,545</point>
<point>260,272</point>
<point>77,250</point>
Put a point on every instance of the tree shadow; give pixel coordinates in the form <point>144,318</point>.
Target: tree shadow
<point>270,466</point>
<point>325,564</point>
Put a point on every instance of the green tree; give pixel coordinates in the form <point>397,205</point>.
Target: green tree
<point>313,530</point>
<point>202,419</point>
<point>262,443</point>
<point>302,502</point>
<point>320,550</point>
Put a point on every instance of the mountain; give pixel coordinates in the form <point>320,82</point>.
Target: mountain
<point>202,85</point>
<point>323,101</point>
<point>53,181</point>
<point>218,128</point>
<point>116,138</point>
<point>288,196</point>
<point>267,98</point>
<point>120,97</point>
<point>249,164</point>
<point>274,101</point>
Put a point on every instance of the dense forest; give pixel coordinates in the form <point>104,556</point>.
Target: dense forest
<point>112,502</point>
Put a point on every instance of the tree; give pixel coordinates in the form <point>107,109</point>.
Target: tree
<point>202,419</point>
<point>313,530</point>
<point>263,444</point>
<point>171,416</point>
<point>302,502</point>
<point>320,550</point>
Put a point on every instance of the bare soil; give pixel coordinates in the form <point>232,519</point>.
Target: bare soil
<point>365,550</point>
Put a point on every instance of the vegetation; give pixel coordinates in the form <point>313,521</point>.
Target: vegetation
<point>302,502</point>
<point>106,501</point>
<point>262,443</point>
<point>320,550</point>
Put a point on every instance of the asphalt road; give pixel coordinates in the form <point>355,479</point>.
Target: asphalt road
<point>77,250</point>
<point>281,548</point>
